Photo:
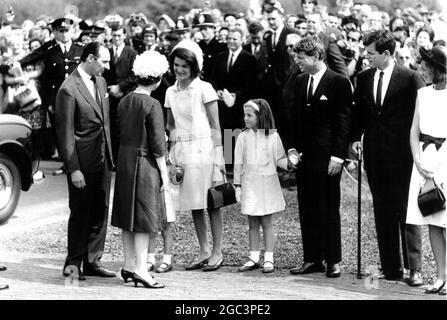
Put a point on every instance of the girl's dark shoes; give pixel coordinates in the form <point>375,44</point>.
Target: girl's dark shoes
<point>137,279</point>
<point>249,266</point>
<point>213,267</point>
<point>3,286</point>
<point>126,275</point>
<point>436,288</point>
<point>197,265</point>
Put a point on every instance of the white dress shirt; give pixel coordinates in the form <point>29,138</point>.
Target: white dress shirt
<point>235,55</point>
<point>65,47</point>
<point>88,81</point>
<point>317,78</point>
<point>387,72</point>
<point>118,49</point>
<point>276,33</point>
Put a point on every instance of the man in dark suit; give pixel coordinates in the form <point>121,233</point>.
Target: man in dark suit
<point>234,71</point>
<point>278,65</point>
<point>210,46</point>
<point>321,119</point>
<point>256,46</point>
<point>119,77</point>
<point>83,135</point>
<point>60,58</point>
<point>385,99</point>
<point>333,57</point>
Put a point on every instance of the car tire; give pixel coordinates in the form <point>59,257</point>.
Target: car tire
<point>10,186</point>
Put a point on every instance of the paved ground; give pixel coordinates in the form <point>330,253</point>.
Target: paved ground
<point>33,276</point>
<point>36,276</point>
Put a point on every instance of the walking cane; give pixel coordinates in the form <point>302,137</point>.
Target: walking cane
<point>359,215</point>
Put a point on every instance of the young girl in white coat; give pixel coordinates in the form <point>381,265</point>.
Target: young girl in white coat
<point>258,153</point>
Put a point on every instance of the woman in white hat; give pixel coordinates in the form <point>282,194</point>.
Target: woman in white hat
<point>193,123</point>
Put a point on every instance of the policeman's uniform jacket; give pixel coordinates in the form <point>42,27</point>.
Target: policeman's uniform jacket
<point>57,67</point>
<point>210,51</point>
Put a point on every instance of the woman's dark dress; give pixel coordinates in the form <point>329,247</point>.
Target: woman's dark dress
<point>137,204</point>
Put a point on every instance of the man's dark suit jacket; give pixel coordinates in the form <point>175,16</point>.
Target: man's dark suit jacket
<point>333,57</point>
<point>261,65</point>
<point>386,129</point>
<point>388,163</point>
<point>82,126</point>
<point>322,130</point>
<point>279,60</point>
<point>241,80</point>
<point>120,71</point>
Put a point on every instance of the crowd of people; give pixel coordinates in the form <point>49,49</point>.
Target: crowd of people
<point>212,94</point>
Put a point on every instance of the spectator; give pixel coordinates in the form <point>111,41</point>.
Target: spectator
<point>308,7</point>
<point>404,58</point>
<point>291,20</point>
<point>222,35</point>
<point>333,56</point>
<point>430,158</point>
<point>301,27</point>
<point>165,23</point>
<point>230,20</point>
<point>344,8</point>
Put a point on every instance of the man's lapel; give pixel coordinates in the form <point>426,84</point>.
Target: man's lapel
<point>394,84</point>
<point>322,86</point>
<point>86,94</point>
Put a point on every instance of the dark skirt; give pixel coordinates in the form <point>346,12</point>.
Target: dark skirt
<point>137,204</point>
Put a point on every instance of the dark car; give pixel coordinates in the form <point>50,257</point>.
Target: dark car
<point>18,162</point>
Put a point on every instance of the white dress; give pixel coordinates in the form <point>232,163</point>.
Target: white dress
<point>432,121</point>
<point>194,149</point>
<point>256,158</point>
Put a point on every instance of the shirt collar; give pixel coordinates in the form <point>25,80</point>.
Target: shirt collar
<point>120,47</point>
<point>317,76</point>
<point>194,84</point>
<point>67,45</point>
<point>236,53</point>
<point>84,75</point>
<point>388,70</point>
<point>279,30</point>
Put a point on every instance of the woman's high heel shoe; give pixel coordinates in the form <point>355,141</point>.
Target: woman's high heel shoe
<point>126,275</point>
<point>137,279</point>
<point>435,289</point>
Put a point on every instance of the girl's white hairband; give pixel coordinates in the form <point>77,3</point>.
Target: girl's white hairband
<point>252,104</point>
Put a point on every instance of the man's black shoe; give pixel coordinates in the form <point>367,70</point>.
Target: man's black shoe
<point>99,272</point>
<point>3,286</point>
<point>333,271</point>
<point>308,267</point>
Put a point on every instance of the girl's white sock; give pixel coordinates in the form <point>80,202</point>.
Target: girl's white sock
<point>268,256</point>
<point>167,258</point>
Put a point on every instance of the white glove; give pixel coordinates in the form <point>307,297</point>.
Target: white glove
<point>238,194</point>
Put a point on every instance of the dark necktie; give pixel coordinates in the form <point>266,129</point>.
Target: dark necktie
<point>116,55</point>
<point>65,51</point>
<point>310,91</point>
<point>97,96</point>
<point>274,40</point>
<point>379,91</point>
<point>230,62</point>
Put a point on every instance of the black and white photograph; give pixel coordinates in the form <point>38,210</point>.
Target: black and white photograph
<point>226,157</point>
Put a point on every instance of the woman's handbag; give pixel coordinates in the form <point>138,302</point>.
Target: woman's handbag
<point>221,195</point>
<point>431,199</point>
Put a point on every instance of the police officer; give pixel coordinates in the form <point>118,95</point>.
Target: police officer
<point>210,46</point>
<point>61,56</point>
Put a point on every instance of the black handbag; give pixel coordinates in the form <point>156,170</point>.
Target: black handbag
<point>221,195</point>
<point>431,199</point>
